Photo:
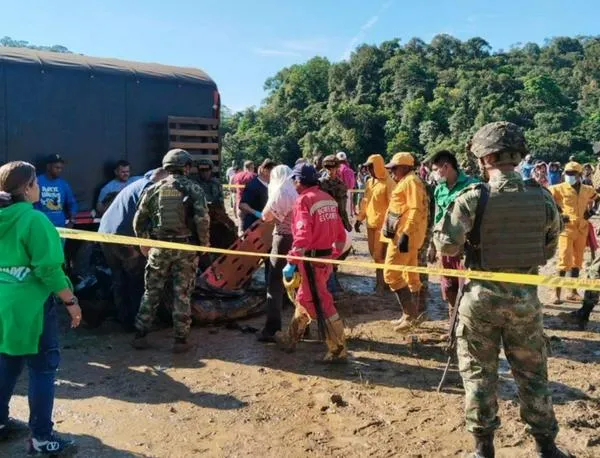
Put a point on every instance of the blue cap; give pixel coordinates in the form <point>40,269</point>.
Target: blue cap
<point>306,174</point>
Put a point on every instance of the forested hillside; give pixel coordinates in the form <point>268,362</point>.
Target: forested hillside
<point>425,96</point>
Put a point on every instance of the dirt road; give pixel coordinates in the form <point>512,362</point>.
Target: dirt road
<point>235,397</point>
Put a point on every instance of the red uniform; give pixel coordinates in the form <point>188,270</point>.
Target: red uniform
<point>316,226</point>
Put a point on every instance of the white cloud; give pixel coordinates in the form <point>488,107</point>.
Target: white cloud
<point>275,52</point>
<point>308,45</point>
<point>360,36</point>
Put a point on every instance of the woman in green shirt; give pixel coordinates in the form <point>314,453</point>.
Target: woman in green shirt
<point>31,258</point>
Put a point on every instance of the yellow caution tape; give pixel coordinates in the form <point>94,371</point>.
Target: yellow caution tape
<point>522,279</point>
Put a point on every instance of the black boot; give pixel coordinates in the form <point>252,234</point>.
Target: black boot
<point>484,446</point>
<point>140,342</point>
<point>546,448</point>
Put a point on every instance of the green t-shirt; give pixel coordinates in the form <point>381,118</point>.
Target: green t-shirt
<point>444,196</point>
<point>31,259</point>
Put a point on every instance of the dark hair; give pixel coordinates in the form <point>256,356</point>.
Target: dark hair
<point>445,157</point>
<point>122,163</point>
<point>14,178</point>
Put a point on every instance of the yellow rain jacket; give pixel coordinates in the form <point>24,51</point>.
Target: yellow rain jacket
<point>573,238</point>
<point>378,192</point>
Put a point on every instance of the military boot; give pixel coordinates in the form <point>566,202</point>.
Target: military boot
<point>336,342</point>
<point>574,296</point>
<point>413,316</point>
<point>403,296</point>
<point>546,448</point>
<point>181,345</point>
<point>140,341</point>
<point>484,446</point>
<point>288,340</point>
<point>558,300</point>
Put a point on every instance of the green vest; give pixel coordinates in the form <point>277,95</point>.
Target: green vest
<point>171,209</point>
<point>513,228</point>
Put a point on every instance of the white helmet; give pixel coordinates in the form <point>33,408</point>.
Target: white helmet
<point>341,156</point>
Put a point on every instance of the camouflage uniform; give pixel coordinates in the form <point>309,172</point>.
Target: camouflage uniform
<point>493,314</point>
<point>336,188</point>
<point>213,189</point>
<point>174,210</point>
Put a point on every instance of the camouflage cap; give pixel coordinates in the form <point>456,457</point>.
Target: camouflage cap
<point>498,137</point>
<point>331,161</point>
<point>176,158</point>
<point>205,164</point>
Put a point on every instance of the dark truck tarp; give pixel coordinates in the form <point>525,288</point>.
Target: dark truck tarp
<point>93,112</point>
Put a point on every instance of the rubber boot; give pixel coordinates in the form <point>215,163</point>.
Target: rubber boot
<point>403,296</point>
<point>412,317</point>
<point>288,340</point>
<point>380,286</point>
<point>484,446</point>
<point>574,296</point>
<point>546,448</point>
<point>336,342</point>
<point>181,345</point>
<point>140,341</point>
<point>558,300</point>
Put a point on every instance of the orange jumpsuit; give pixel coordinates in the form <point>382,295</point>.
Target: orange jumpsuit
<point>409,203</point>
<point>573,238</point>
<point>374,205</point>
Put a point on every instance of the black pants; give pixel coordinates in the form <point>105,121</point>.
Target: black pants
<point>127,268</point>
<point>275,289</point>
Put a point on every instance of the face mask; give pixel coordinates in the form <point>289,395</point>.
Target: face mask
<point>571,179</point>
<point>435,176</point>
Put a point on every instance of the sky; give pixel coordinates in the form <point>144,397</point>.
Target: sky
<point>241,43</point>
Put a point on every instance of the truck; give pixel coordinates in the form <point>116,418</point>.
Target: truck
<point>95,111</point>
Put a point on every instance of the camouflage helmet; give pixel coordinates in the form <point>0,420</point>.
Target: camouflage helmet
<point>498,137</point>
<point>176,159</point>
<point>205,164</point>
<point>330,161</point>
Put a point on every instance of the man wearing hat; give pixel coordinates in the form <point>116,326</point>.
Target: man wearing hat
<point>504,225</point>
<point>372,209</point>
<point>57,200</point>
<point>223,230</point>
<point>575,201</point>
<point>317,232</point>
<point>405,227</point>
<point>331,182</point>
<point>173,210</point>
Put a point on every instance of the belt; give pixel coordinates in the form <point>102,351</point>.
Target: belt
<point>319,253</point>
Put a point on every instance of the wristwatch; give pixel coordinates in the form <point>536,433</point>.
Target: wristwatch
<point>72,302</point>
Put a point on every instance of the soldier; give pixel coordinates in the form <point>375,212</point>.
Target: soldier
<point>405,227</point>
<point>173,210</point>
<point>223,231</point>
<point>504,225</point>
<point>333,185</point>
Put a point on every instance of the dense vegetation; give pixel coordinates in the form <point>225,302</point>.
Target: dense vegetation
<point>421,97</point>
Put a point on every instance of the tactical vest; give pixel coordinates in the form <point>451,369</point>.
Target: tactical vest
<point>171,217</point>
<point>513,228</point>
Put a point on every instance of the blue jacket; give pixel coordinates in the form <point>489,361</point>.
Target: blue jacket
<point>57,200</point>
<point>118,219</point>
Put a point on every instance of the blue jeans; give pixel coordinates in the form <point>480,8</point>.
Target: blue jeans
<point>42,370</point>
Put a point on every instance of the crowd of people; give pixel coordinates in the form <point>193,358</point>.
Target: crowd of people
<point>511,215</point>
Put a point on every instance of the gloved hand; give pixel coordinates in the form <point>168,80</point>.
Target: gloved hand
<point>403,243</point>
<point>348,226</point>
<point>565,218</point>
<point>357,226</point>
<point>288,271</point>
<point>258,214</point>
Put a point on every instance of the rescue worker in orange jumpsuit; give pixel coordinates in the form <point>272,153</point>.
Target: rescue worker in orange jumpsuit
<point>372,208</point>
<point>575,201</point>
<point>405,227</point>
<point>318,232</point>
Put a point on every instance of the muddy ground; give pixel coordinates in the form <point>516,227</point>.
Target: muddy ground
<point>233,396</point>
